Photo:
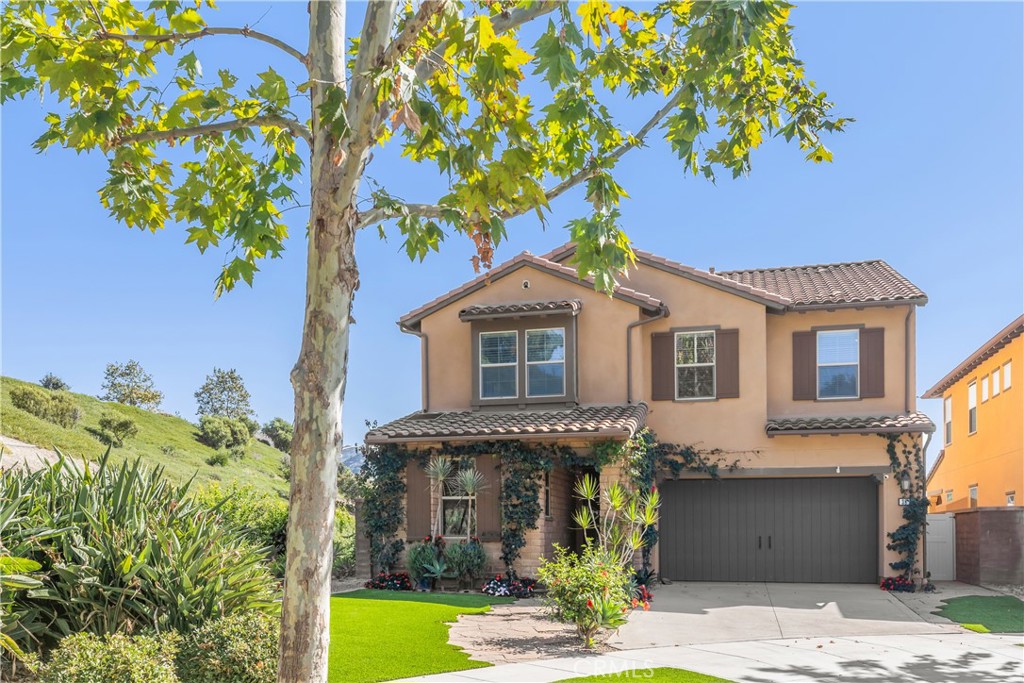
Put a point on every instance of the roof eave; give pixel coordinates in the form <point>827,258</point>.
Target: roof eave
<point>604,434</point>
<point>887,303</point>
<point>851,430</point>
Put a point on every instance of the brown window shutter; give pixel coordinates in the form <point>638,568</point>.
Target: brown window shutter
<point>663,366</point>
<point>805,366</point>
<point>417,497</point>
<point>872,362</point>
<point>488,501</point>
<point>727,363</point>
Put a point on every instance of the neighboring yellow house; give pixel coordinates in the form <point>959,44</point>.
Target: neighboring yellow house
<point>792,374</point>
<point>982,461</point>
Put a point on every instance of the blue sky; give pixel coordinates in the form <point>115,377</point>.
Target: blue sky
<point>929,178</point>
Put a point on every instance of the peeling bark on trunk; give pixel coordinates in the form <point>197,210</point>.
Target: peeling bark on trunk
<point>319,374</point>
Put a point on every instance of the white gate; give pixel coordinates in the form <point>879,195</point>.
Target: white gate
<point>940,546</point>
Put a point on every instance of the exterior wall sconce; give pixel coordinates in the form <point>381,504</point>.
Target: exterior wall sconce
<point>905,481</point>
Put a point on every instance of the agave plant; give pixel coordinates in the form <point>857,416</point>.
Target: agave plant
<point>122,549</point>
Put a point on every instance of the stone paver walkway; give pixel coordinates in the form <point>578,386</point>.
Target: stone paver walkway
<point>925,658</point>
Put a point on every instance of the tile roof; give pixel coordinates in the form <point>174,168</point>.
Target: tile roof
<point>987,350</point>
<point>607,422</point>
<point>572,306</point>
<point>915,422</point>
<point>862,282</point>
<point>521,260</point>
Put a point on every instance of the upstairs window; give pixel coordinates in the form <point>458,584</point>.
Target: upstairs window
<point>995,382</point>
<point>984,388</point>
<point>695,365</point>
<point>972,494</point>
<point>947,419</point>
<point>838,363</point>
<point>972,407</point>
<point>545,362</point>
<point>1006,375</point>
<point>499,364</point>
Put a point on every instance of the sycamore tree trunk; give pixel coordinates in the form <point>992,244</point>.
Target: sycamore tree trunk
<point>332,278</point>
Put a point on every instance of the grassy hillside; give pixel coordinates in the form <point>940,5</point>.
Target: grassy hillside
<point>260,468</point>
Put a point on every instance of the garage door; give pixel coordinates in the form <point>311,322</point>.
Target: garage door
<point>790,530</point>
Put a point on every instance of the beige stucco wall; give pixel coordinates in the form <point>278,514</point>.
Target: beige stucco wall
<point>601,338</point>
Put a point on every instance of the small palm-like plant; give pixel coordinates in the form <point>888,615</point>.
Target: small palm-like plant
<point>438,470</point>
<point>469,482</point>
<point>619,523</point>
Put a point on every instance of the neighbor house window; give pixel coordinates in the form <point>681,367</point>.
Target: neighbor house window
<point>947,419</point>
<point>1006,375</point>
<point>695,365</point>
<point>1011,498</point>
<point>972,493</point>
<point>499,364</point>
<point>949,496</point>
<point>995,382</point>
<point>838,363</point>
<point>457,509</point>
<point>984,388</point>
<point>972,407</point>
<point>545,362</point>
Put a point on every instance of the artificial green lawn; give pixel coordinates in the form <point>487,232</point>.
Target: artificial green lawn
<point>260,468</point>
<point>384,635</point>
<point>659,675</point>
<point>985,613</point>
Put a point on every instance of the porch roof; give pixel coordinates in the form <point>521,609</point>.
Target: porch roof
<point>914,423</point>
<point>594,422</point>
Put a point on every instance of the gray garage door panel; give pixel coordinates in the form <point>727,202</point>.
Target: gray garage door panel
<point>786,530</point>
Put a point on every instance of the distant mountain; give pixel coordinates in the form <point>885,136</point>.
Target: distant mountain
<point>351,458</point>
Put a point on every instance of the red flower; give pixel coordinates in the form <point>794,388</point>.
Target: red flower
<point>647,606</point>
<point>590,604</point>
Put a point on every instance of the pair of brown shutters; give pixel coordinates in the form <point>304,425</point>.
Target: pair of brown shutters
<point>872,364</point>
<point>663,365</point>
<point>488,510</point>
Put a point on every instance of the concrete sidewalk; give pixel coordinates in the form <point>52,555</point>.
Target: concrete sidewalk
<point>963,657</point>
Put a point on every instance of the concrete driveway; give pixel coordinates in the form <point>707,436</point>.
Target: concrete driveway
<point>695,613</point>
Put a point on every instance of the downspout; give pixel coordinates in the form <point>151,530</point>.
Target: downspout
<point>425,363</point>
<point>661,313</point>
<point>924,491</point>
<point>906,359</point>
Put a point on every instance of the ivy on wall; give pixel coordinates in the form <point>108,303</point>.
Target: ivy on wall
<point>906,456</point>
<point>522,468</point>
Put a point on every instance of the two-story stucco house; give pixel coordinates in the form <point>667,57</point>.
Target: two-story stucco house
<point>791,373</point>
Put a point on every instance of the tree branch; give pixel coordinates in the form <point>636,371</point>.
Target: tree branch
<point>275,120</point>
<point>410,32</point>
<point>378,214</point>
<point>245,31</point>
<point>501,23</point>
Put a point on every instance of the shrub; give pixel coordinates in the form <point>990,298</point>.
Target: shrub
<point>218,459</point>
<point>280,432</point>
<point>390,582</point>
<point>88,658</point>
<point>170,450</point>
<point>122,547</point>
<point>417,557</point>
<point>241,648</point>
<point>116,429</point>
<point>214,431</point>
<point>591,589</point>
<point>56,406</point>
<point>53,382</point>
<point>344,542</point>
<point>466,559</point>
<point>31,400</point>
<point>239,433</point>
<point>261,517</point>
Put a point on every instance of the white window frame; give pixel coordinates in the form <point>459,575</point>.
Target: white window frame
<point>1007,375</point>
<point>470,509</point>
<point>949,496</point>
<point>1011,499</point>
<point>997,379</point>
<point>947,419</point>
<point>984,389</point>
<point>972,496</point>
<point>972,407</point>
<point>713,364</point>
<point>818,366</point>
<point>481,365</point>
<point>526,358</point>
